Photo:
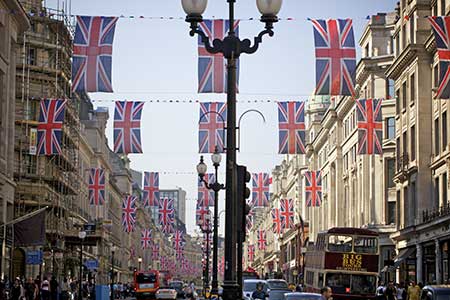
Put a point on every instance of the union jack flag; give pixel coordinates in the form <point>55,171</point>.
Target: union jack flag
<point>276,220</point>
<point>211,132</point>
<point>178,240</point>
<point>206,196</point>
<point>260,195</point>
<point>127,127</point>
<point>262,240</point>
<point>155,251</point>
<point>132,252</point>
<point>249,221</point>
<point>335,57</point>
<point>370,126</point>
<point>92,54</point>
<point>49,131</point>
<point>287,213</point>
<point>166,215</point>
<point>201,212</point>
<point>313,188</point>
<point>163,262</point>
<point>96,186</point>
<point>212,71</point>
<point>146,238</point>
<point>129,213</point>
<point>441,29</point>
<point>251,253</point>
<point>291,127</point>
<point>151,189</point>
<point>180,253</point>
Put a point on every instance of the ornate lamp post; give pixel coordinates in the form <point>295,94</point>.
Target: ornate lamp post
<point>82,236</point>
<point>216,158</point>
<point>231,47</point>
<point>139,263</point>
<point>205,227</point>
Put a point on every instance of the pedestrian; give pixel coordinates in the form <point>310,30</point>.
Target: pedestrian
<point>259,293</point>
<point>401,292</point>
<point>17,292</point>
<point>64,289</point>
<point>54,288</point>
<point>413,291</point>
<point>37,283</point>
<point>391,292</point>
<point>45,289</point>
<point>325,293</point>
<point>30,289</point>
<point>380,291</point>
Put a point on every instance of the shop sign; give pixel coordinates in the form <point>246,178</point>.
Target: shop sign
<point>91,264</point>
<point>34,257</point>
<point>292,264</point>
<point>33,141</point>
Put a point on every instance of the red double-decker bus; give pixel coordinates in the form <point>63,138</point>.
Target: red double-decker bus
<point>345,259</point>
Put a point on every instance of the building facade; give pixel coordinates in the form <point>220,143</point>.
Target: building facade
<point>11,28</point>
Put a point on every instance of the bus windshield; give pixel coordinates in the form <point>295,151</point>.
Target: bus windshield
<point>146,278</point>
<point>340,243</point>
<point>366,245</point>
<point>351,284</point>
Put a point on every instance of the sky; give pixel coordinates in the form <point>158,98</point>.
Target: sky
<point>157,60</point>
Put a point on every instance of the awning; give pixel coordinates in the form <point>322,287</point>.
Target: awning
<point>402,255</point>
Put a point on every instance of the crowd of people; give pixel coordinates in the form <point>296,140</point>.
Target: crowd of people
<point>45,289</point>
<point>399,291</point>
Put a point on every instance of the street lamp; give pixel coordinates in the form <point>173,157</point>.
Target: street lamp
<point>113,250</point>
<point>231,47</point>
<point>140,262</point>
<point>216,158</point>
<point>82,236</point>
<point>205,227</point>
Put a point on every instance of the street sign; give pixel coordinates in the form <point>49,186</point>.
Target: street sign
<point>91,264</point>
<point>33,141</point>
<point>34,257</point>
<point>89,228</point>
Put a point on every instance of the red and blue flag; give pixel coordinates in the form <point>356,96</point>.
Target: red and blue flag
<point>262,240</point>
<point>211,126</point>
<point>276,220</point>
<point>146,238</point>
<point>92,54</point>
<point>129,213</point>
<point>291,126</point>
<point>441,29</point>
<point>313,188</point>
<point>212,68</point>
<point>205,195</point>
<point>151,189</point>
<point>335,57</point>
<point>260,192</point>
<point>370,126</point>
<point>287,213</point>
<point>127,127</point>
<point>251,253</point>
<point>49,131</point>
<point>155,251</point>
<point>96,186</point>
<point>166,215</point>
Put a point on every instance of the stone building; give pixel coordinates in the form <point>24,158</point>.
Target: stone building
<point>422,166</point>
<point>11,28</point>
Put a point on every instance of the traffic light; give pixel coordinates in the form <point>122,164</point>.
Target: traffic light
<point>243,209</point>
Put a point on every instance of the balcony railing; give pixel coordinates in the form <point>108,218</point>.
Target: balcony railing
<point>433,214</point>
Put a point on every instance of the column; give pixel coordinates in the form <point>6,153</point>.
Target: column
<point>419,263</point>
<point>438,262</point>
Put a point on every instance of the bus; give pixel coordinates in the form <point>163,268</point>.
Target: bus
<point>345,259</point>
<point>147,283</point>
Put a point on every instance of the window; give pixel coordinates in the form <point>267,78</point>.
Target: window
<point>390,128</point>
<point>442,8</point>
<point>397,153</point>
<point>404,36</point>
<point>437,136</point>
<point>390,88</point>
<point>31,57</point>
<point>405,144</point>
<point>390,168</point>
<point>412,87</point>
<point>444,130</point>
<point>413,143</point>
<point>411,29</point>
<point>367,245</point>
<point>436,75</point>
<point>404,95</point>
<point>3,38</point>
<point>367,51</point>
<point>397,44</point>
<point>436,192</point>
<point>444,188</point>
<point>340,243</point>
<point>397,102</point>
<point>320,283</point>
<point>391,206</point>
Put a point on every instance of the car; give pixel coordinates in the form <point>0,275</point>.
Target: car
<point>166,293</point>
<point>178,286</point>
<point>435,292</point>
<point>278,294</point>
<point>302,296</point>
<point>250,286</point>
<point>277,284</point>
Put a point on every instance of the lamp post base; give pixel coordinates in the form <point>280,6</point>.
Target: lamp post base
<point>231,291</point>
